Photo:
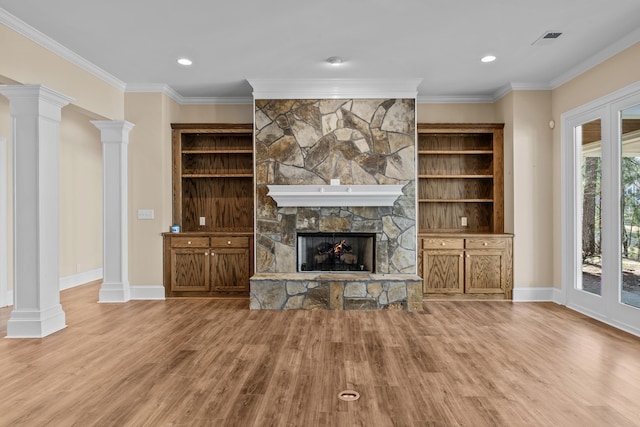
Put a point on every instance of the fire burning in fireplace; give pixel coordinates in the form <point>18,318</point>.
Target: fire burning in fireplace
<point>340,251</point>
<point>336,252</point>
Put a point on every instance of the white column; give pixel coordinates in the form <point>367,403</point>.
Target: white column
<point>115,140</point>
<point>35,119</point>
<point>4,225</point>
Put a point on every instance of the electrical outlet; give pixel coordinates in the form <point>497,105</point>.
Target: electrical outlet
<point>145,213</point>
<point>463,221</point>
<point>203,221</point>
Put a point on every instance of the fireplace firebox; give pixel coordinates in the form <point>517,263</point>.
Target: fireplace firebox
<point>336,252</point>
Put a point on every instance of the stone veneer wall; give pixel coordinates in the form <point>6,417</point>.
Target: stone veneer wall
<point>359,141</point>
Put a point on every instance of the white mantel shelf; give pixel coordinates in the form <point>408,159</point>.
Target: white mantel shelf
<point>334,195</point>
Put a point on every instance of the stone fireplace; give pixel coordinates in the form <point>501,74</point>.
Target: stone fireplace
<point>368,143</point>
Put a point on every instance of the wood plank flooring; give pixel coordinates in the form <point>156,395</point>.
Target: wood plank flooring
<point>206,362</point>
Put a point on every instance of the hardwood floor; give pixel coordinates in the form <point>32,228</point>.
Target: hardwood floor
<point>202,362</point>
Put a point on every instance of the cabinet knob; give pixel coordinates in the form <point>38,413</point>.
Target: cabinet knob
<point>189,242</point>
<point>484,244</point>
<point>212,253</point>
<point>206,253</point>
<point>442,243</point>
<point>228,242</point>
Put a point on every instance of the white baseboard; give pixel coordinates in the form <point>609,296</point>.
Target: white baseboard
<point>535,294</point>
<point>147,292</point>
<point>559,296</point>
<point>81,278</point>
<point>9,300</point>
<point>138,292</point>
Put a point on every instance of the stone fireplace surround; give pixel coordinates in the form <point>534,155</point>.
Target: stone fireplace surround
<point>315,141</point>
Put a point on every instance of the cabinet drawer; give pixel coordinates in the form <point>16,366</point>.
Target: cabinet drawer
<point>230,242</point>
<point>189,242</point>
<point>485,243</point>
<point>431,243</point>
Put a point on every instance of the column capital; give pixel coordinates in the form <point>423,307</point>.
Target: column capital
<point>114,131</point>
<point>30,99</point>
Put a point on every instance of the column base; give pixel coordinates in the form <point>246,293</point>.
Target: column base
<point>114,292</point>
<point>35,323</point>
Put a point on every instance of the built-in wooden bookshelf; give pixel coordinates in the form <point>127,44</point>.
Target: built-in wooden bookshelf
<point>460,178</point>
<point>213,177</point>
<point>464,252</point>
<point>213,206</point>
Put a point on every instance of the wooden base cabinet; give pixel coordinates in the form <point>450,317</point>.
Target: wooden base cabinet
<point>189,263</point>
<point>207,266</point>
<point>231,265</point>
<point>474,266</point>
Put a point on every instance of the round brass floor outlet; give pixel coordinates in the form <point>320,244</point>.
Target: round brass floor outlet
<point>349,395</point>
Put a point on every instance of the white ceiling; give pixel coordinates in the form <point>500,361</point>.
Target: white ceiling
<point>438,41</point>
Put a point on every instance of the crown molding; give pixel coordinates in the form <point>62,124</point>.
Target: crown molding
<point>182,100</point>
<point>510,87</point>
<point>161,88</point>
<point>313,88</point>
<point>229,100</point>
<point>48,43</point>
<point>530,86</point>
<point>334,88</point>
<point>606,53</point>
<point>455,99</point>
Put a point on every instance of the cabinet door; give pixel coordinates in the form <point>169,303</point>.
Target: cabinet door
<point>230,269</point>
<point>485,271</point>
<point>443,271</point>
<point>190,269</point>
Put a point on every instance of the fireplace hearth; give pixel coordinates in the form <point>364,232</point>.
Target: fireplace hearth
<point>336,252</point>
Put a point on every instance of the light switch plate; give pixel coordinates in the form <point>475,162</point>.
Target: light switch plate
<point>463,221</point>
<point>203,220</point>
<point>145,213</point>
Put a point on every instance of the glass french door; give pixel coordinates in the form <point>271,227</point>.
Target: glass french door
<point>629,128</point>
<point>601,211</point>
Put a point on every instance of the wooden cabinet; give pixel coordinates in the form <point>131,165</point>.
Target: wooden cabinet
<point>213,205</point>
<point>200,265</point>
<point>443,265</point>
<point>470,265</point>
<point>464,251</point>
<point>189,263</point>
<point>230,258</point>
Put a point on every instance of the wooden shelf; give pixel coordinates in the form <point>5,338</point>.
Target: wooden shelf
<point>455,200</point>
<point>454,176</point>
<point>218,175</point>
<point>450,152</point>
<point>217,151</point>
<point>212,177</point>
<point>460,174</point>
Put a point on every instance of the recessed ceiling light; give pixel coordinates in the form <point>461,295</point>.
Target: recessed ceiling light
<point>184,61</point>
<point>335,61</point>
<point>488,58</point>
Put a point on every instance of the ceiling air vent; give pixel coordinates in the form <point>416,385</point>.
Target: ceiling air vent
<point>551,35</point>
<point>547,37</point>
